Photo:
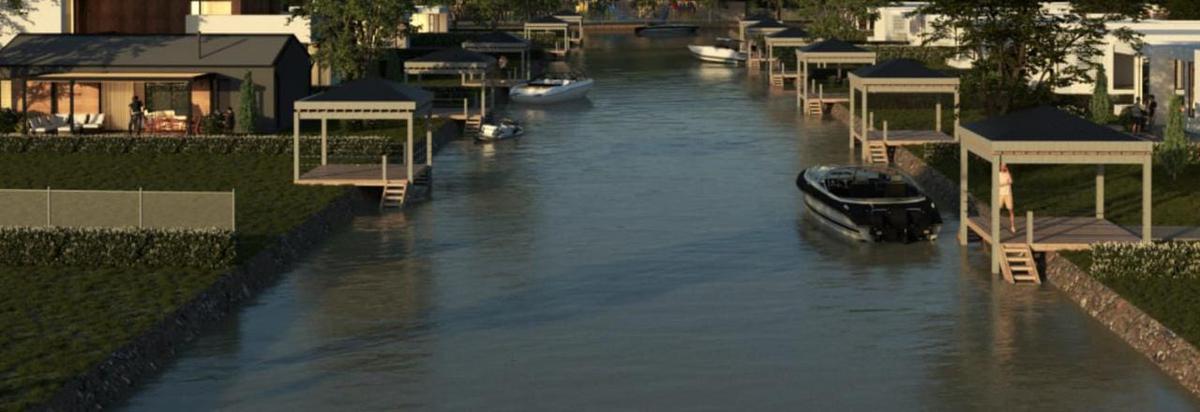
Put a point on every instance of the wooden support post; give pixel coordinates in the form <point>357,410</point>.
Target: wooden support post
<point>821,93</point>
<point>141,209</point>
<point>49,208</point>
<point>428,142</point>
<point>1099,191</point>
<point>1147,200</point>
<point>885,130</point>
<point>1029,227</point>
<point>937,126</point>
<point>956,115</point>
<point>870,123</point>
<point>408,150</point>
<point>383,174</point>
<point>232,209</point>
<point>963,194</point>
<point>851,122</point>
<point>995,217</point>
<point>296,147</point>
<point>324,141</point>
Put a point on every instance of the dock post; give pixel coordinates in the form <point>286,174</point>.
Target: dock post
<point>324,141</point>
<point>963,194</point>
<point>995,217</point>
<point>384,162</point>
<point>821,93</point>
<point>1099,191</point>
<point>938,112</point>
<point>1147,191</point>
<point>1029,227</point>
<point>871,122</point>
<point>885,127</point>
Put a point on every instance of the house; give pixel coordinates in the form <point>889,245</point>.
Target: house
<point>179,77</point>
<point>100,17</point>
<point>254,17</point>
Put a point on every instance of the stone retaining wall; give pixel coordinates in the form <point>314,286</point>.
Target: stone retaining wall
<point>1171,353</point>
<point>116,377</point>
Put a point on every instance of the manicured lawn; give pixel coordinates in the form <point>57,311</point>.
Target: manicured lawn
<point>60,321</point>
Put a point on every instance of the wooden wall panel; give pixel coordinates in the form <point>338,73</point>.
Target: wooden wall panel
<point>131,16</point>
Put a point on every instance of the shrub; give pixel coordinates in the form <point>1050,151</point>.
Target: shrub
<point>1101,107</point>
<point>214,123</point>
<point>11,121</point>
<point>1171,260</point>
<point>247,112</point>
<point>117,247</point>
<point>1174,154</point>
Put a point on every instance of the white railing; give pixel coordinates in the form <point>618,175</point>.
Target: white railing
<point>251,24</point>
<point>105,208</point>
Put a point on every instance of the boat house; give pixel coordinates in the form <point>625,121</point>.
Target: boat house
<point>821,55</point>
<point>898,76</point>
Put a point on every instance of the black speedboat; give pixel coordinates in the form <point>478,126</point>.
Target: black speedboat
<point>666,29</point>
<point>871,204</point>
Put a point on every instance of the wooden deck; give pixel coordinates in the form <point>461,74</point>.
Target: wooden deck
<point>1055,233</point>
<point>905,137</point>
<point>828,98</point>
<point>365,175</point>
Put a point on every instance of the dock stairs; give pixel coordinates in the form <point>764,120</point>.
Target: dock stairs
<point>393,196</point>
<point>472,125</point>
<point>813,107</point>
<point>1018,265</point>
<point>877,153</point>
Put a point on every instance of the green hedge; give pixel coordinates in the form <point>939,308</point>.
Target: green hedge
<point>1170,260</point>
<point>260,144</point>
<point>117,247</point>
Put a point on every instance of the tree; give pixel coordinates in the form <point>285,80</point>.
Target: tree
<point>491,12</point>
<point>839,18</point>
<point>351,35</point>
<point>247,113</point>
<point>1101,106</point>
<point>1182,9</point>
<point>1022,51</point>
<point>1174,154</point>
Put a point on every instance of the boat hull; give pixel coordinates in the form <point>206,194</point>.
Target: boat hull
<point>528,95</point>
<point>717,54</point>
<point>879,220</point>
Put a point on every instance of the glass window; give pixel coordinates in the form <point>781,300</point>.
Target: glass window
<point>168,96</point>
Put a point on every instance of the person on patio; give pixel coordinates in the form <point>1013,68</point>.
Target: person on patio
<point>136,116</point>
<point>1135,114</point>
<point>228,120</point>
<point>1006,196</point>
<point>1151,107</point>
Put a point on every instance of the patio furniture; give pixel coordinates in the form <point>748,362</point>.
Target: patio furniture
<point>94,123</point>
<point>45,124</point>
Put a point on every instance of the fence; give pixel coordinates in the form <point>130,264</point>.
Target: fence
<point>96,208</point>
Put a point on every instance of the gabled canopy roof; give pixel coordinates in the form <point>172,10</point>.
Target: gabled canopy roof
<point>455,56</point>
<point>900,68</point>
<point>758,16</point>
<point>1045,124</point>
<point>790,33</point>
<point>832,46</point>
<point>547,20</point>
<point>68,50</point>
<point>372,90</point>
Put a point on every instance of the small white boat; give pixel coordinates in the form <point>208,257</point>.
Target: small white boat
<point>547,91</point>
<point>721,52</point>
<point>505,129</point>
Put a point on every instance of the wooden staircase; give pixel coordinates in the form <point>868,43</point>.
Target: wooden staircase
<point>777,80</point>
<point>813,107</point>
<point>1018,265</point>
<point>877,153</point>
<point>472,126</point>
<point>393,196</point>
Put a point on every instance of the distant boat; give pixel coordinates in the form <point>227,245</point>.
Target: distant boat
<point>505,129</point>
<point>870,204</point>
<point>548,91</point>
<point>722,52</point>
<point>666,29</point>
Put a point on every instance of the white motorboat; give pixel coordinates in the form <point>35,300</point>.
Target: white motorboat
<point>547,91</point>
<point>505,129</point>
<point>722,52</point>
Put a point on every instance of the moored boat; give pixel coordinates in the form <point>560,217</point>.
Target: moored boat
<point>547,91</point>
<point>723,52</point>
<point>869,203</point>
<point>505,129</point>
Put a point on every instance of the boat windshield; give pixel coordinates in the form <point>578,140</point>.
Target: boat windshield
<point>869,184</point>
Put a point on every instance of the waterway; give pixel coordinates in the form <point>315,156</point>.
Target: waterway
<point>648,249</point>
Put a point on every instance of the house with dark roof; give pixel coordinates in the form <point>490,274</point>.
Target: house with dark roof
<point>179,77</point>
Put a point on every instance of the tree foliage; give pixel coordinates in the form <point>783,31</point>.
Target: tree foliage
<point>491,12</point>
<point>247,113</point>
<point>1021,50</point>
<point>14,14</point>
<point>1182,9</point>
<point>1174,154</point>
<point>1101,107</point>
<point>351,35</point>
<point>838,18</point>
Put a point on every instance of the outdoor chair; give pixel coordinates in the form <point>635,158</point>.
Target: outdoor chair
<point>94,123</point>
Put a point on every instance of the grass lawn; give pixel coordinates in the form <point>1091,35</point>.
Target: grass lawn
<point>60,321</point>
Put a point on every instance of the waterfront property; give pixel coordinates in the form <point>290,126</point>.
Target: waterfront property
<point>1048,136</point>
<point>745,22</point>
<point>776,69</point>
<point>755,41</point>
<point>469,68</point>
<point>575,32</point>
<point>541,26</point>
<point>367,99</point>
<point>897,76</point>
<point>822,55</point>
<point>179,78</point>
<point>499,44</point>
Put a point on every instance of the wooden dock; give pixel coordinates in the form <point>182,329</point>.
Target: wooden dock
<point>903,137</point>
<point>1054,233</point>
<point>361,175</point>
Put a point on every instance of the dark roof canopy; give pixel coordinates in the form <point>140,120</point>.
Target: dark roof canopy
<point>900,68</point>
<point>567,13</point>
<point>790,33</point>
<point>767,24</point>
<point>757,16</point>
<point>497,37</point>
<point>547,20</point>
<point>454,55</point>
<point>832,46</point>
<point>1045,124</point>
<point>372,90</point>
<point>66,50</point>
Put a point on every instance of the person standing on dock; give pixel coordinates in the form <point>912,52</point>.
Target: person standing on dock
<point>1006,196</point>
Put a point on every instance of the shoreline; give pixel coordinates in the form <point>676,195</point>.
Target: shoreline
<point>1171,353</point>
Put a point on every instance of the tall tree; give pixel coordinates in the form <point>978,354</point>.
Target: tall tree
<point>839,18</point>
<point>247,115</point>
<point>1021,50</point>
<point>1174,154</point>
<point>350,35</point>
<point>1101,107</point>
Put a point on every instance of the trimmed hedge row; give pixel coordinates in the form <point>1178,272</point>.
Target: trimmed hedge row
<point>117,247</point>
<point>260,144</point>
<point>1170,260</point>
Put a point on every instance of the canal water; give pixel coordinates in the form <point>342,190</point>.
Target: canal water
<point>648,249</point>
